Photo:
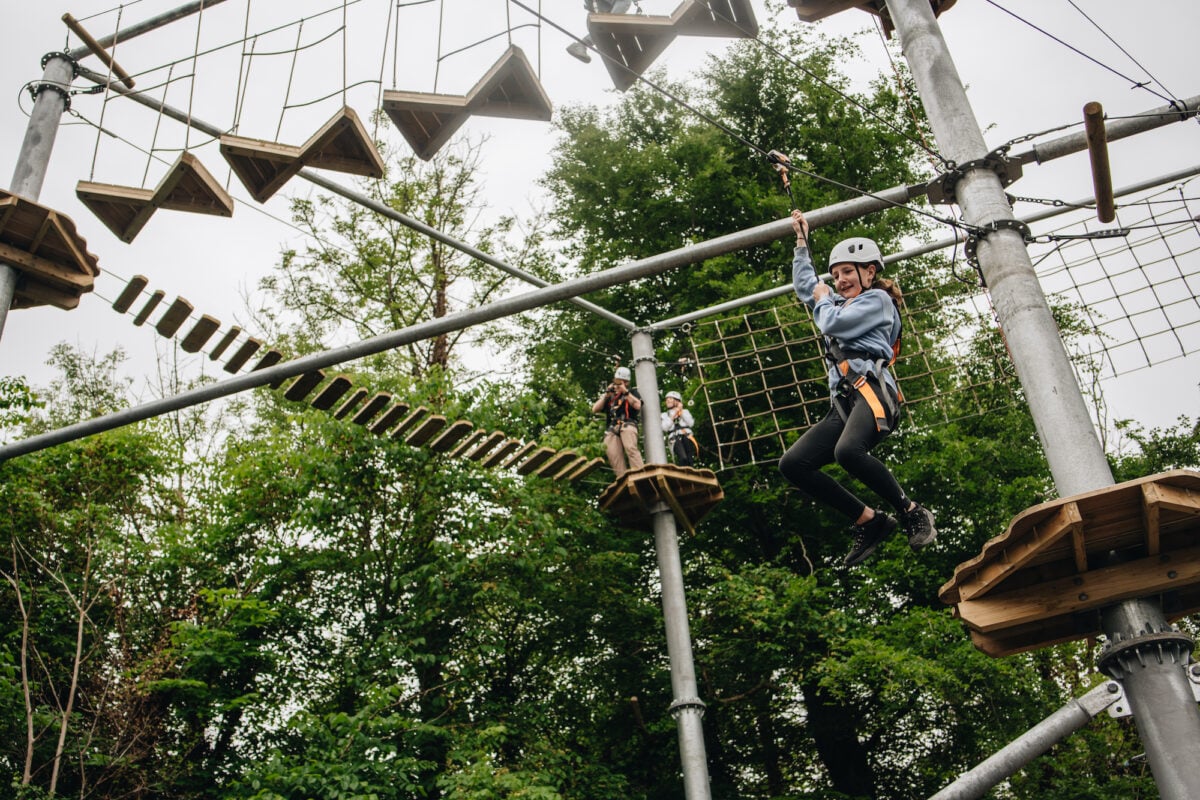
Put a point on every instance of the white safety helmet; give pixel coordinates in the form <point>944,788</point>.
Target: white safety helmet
<point>622,374</point>
<point>857,250</point>
<point>676,395</point>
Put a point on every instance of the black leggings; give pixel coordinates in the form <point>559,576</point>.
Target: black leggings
<point>849,443</point>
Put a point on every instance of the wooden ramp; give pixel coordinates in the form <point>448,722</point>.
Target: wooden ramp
<point>55,266</point>
<point>509,89</point>
<point>1046,578</point>
<point>342,144</point>
<point>690,493</point>
<point>125,210</point>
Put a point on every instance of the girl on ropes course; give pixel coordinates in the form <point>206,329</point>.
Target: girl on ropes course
<point>860,322</point>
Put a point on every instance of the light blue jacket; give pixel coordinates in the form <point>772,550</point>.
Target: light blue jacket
<point>868,323</point>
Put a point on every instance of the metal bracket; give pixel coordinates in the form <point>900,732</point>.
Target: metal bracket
<point>65,57</point>
<point>36,88</point>
<point>942,188</point>
<point>982,231</point>
<point>687,704</point>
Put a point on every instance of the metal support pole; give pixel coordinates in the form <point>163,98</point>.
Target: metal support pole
<point>1056,403</point>
<point>1150,657</point>
<point>52,99</point>
<point>1016,754</point>
<point>686,705</point>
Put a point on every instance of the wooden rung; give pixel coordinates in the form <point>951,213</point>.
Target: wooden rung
<point>343,144</point>
<point>201,332</point>
<point>262,167</point>
<point>484,447</point>
<point>501,453</point>
<point>427,121</point>
<point>408,422</point>
<point>389,418</point>
<point>630,42</point>
<point>239,359</point>
<point>451,436</point>
<point>130,293</point>
<point>556,464</point>
<point>174,317</point>
<point>538,457</point>
<point>729,18</point>
<point>427,429</point>
<point>230,336</point>
<point>303,386</point>
<point>510,89</point>
<point>584,470</point>
<point>372,407</point>
<point>124,210</point>
<point>188,186</point>
<point>270,359</point>
<point>524,450</point>
<point>470,442</point>
<point>350,403</point>
<point>332,393</point>
<point>572,465</point>
<point>151,304</point>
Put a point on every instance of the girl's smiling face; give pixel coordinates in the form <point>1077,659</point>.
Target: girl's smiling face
<point>847,278</point>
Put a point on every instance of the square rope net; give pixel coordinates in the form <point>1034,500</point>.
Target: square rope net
<point>1128,302</point>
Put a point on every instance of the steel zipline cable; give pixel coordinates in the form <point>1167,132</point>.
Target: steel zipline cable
<point>767,154</point>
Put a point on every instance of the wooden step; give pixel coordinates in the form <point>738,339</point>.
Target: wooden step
<point>427,121</point>
<point>510,89</point>
<point>630,43</point>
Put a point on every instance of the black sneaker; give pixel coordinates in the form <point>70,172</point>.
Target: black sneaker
<point>918,525</point>
<point>867,537</point>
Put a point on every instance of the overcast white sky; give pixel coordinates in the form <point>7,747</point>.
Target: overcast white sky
<point>1019,81</point>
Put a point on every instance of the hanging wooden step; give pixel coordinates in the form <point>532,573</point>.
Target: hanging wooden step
<point>43,245</point>
<point>727,18</point>
<point>1047,577</point>
<point>510,89</point>
<point>630,43</point>
<point>690,493</point>
<point>195,339</point>
<point>427,121</point>
<point>125,210</point>
<point>342,144</point>
<point>333,392</point>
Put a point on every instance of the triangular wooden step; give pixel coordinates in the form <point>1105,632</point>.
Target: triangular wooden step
<point>630,43</point>
<point>730,18</point>
<point>510,89</point>
<point>343,144</point>
<point>262,167</point>
<point>690,493</point>
<point>188,186</point>
<point>125,210</point>
<point>43,245</point>
<point>427,121</point>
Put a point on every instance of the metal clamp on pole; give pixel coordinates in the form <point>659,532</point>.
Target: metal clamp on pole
<point>941,189</point>
<point>687,704</point>
<point>982,231</point>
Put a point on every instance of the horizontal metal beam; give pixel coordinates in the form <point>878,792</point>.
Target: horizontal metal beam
<point>148,25</point>
<point>1117,128</point>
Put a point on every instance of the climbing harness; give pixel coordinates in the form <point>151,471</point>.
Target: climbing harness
<point>884,401</point>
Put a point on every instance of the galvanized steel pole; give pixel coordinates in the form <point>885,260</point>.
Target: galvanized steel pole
<point>686,705</point>
<point>1168,721</point>
<point>1069,440</point>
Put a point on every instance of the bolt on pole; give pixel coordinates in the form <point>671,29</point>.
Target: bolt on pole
<point>686,705</point>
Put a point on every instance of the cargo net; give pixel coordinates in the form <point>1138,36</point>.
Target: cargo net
<point>1124,304</point>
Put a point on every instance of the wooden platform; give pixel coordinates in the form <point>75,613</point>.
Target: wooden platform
<point>630,43</point>
<point>1045,579</point>
<point>55,266</point>
<point>725,18</point>
<point>125,210</point>
<point>509,89</point>
<point>342,144</point>
<point>814,10</point>
<point>690,493</point>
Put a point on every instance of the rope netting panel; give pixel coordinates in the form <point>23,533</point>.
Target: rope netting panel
<point>1126,303</point>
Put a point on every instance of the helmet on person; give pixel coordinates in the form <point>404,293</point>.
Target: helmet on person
<point>676,395</point>
<point>622,374</point>
<point>857,250</point>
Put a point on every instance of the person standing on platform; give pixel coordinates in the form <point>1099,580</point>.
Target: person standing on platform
<point>677,424</point>
<point>580,49</point>
<point>621,407</point>
<point>860,322</point>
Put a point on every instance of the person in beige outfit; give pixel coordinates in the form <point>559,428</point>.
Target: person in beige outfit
<point>621,407</point>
